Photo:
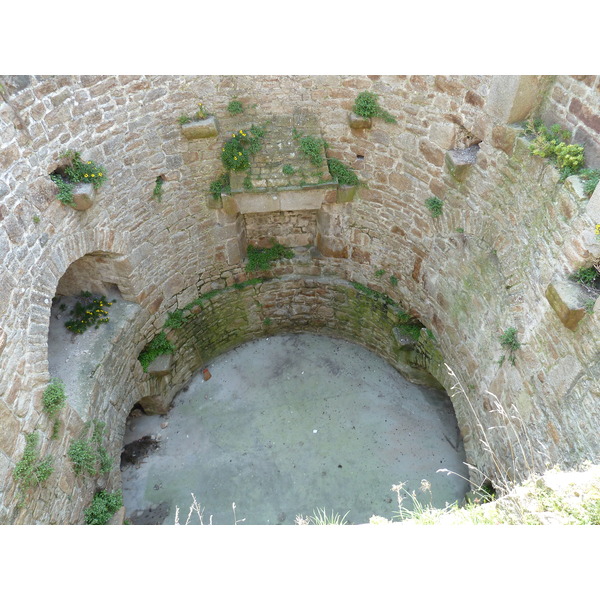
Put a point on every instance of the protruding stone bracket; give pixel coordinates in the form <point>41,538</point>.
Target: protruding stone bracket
<point>205,128</point>
<point>155,405</point>
<point>83,196</point>
<point>460,160</point>
<point>512,98</point>
<point>358,122</point>
<point>568,300</point>
<point>161,365</point>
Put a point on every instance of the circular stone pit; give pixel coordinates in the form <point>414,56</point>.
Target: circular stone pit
<point>289,425</point>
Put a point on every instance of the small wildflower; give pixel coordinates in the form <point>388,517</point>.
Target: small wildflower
<point>598,229</point>
<point>86,175</point>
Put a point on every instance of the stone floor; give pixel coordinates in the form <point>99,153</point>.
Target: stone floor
<point>288,425</point>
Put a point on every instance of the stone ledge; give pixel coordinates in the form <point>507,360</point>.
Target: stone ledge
<point>358,122</point>
<point>568,300</point>
<point>200,129</point>
<point>459,161</point>
<point>83,196</point>
<point>161,365</point>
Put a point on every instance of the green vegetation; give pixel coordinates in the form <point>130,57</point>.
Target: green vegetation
<point>320,517</point>
<point>247,183</point>
<point>510,343</point>
<point>551,143</point>
<point>158,191</point>
<point>157,347</point>
<point>434,204</point>
<point>31,470</point>
<point>91,311</point>
<point>288,170</point>
<point>54,397</point>
<point>344,175</point>
<point>590,178</point>
<point>220,186</point>
<point>36,219</point>
<point>261,259</point>
<point>379,273</point>
<point>90,456</point>
<point>312,147</point>
<point>393,280</point>
<point>237,151</point>
<point>586,276</point>
<point>75,172</point>
<point>103,507</point>
<point>175,320</point>
<point>235,107</point>
<point>367,105</point>
<point>589,305</point>
<point>199,115</point>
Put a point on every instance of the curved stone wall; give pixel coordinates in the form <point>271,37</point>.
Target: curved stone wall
<point>508,229</point>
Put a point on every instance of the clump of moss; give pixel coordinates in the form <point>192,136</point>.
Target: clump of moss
<point>157,347</point>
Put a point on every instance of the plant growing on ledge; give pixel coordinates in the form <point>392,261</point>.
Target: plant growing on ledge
<point>77,171</point>
<point>586,276</point>
<point>220,186</point>
<point>344,175</point>
<point>157,347</point>
<point>367,105</point>
<point>312,148</point>
<point>158,192</point>
<point>90,456</point>
<point>551,143</point>
<point>590,178</point>
<point>199,115</point>
<point>236,152</point>
<point>260,259</point>
<point>90,312</point>
<point>509,341</point>
<point>434,204</point>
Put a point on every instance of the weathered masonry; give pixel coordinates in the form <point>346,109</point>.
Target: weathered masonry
<point>456,246</point>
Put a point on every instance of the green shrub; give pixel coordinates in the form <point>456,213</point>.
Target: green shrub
<point>585,275</point>
<point>551,143</point>
<point>199,115</point>
<point>509,341</point>
<point>367,105</point>
<point>90,456</point>
<point>220,186</point>
<point>31,471</point>
<point>157,347</point>
<point>247,183</point>
<point>54,397</point>
<point>235,107</point>
<point>104,506</point>
<point>175,320</point>
<point>313,147</point>
<point>77,171</point>
<point>157,192</point>
<point>344,175</point>
<point>434,204</point>
<point>288,170</point>
<point>91,311</point>
<point>236,152</point>
<point>260,259</point>
<point>590,178</point>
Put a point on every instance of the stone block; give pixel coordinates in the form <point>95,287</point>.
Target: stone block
<point>200,129</point>
<point>567,299</point>
<point>230,205</point>
<point>345,193</point>
<point>306,199</point>
<point>504,137</point>
<point>161,365</point>
<point>512,98</point>
<point>155,405</point>
<point>593,206</point>
<point>257,203</point>
<point>83,196</point>
<point>459,161</point>
<point>358,122</point>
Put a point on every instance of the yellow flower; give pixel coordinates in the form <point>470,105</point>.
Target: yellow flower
<point>235,158</point>
<point>239,153</point>
<point>89,162</point>
<point>241,131</point>
<point>598,229</point>
<point>93,175</point>
<point>86,175</point>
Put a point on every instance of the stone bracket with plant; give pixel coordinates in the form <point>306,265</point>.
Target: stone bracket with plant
<point>77,180</point>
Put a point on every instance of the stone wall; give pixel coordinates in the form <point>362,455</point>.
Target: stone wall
<point>508,229</point>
